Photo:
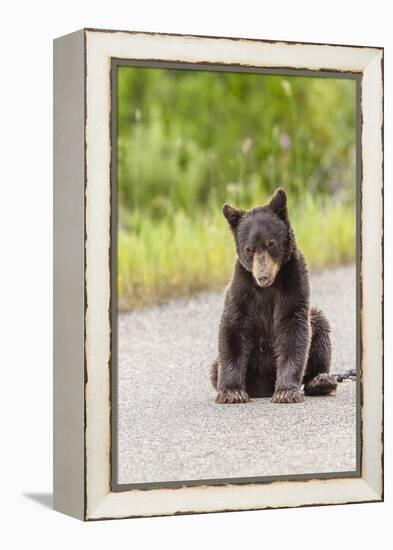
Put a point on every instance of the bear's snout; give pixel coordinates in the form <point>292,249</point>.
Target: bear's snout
<point>264,269</point>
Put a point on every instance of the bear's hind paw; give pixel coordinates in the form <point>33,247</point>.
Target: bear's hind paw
<point>322,384</point>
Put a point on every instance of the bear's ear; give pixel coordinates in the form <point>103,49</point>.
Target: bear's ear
<point>278,202</point>
<point>233,215</point>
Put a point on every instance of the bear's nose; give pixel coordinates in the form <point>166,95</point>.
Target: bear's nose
<point>263,279</point>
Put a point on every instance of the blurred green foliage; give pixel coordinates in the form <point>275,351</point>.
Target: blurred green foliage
<point>188,141</point>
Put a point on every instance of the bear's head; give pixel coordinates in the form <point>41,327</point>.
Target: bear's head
<point>263,236</point>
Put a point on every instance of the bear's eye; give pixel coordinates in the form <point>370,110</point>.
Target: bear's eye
<point>270,244</point>
<point>249,251</point>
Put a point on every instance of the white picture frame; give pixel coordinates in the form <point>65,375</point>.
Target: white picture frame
<point>83,278</point>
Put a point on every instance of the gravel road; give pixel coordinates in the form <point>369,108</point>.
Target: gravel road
<point>169,427</point>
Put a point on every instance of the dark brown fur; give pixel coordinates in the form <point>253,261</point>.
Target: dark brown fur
<point>270,341</point>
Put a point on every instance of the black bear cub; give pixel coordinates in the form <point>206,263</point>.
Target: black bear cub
<point>271,343</point>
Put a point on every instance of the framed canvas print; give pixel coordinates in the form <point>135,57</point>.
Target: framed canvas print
<point>218,270</point>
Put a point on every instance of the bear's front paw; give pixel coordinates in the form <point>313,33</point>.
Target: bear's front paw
<point>232,396</point>
<point>288,396</point>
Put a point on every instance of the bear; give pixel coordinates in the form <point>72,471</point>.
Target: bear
<point>271,343</point>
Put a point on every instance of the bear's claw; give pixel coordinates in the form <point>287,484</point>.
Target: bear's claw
<point>232,397</point>
<point>288,396</point>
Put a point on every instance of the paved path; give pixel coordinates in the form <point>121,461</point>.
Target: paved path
<point>169,427</point>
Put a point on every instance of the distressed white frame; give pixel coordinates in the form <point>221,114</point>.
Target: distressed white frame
<point>99,48</point>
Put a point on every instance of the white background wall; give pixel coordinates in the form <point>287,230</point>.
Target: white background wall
<point>27,29</point>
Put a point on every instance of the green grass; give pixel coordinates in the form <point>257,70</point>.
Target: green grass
<point>180,256</point>
<point>188,141</point>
